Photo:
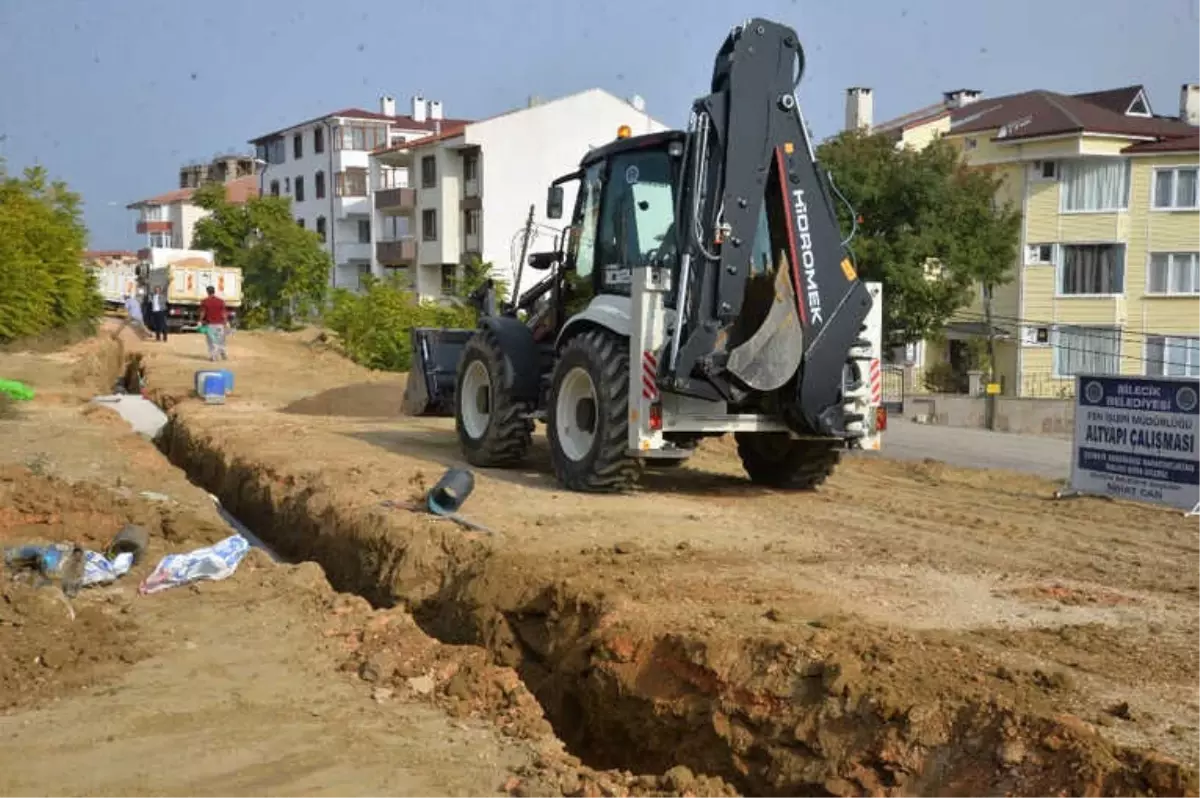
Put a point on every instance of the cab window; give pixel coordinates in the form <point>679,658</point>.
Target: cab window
<point>636,215</point>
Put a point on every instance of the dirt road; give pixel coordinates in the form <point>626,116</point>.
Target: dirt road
<point>267,683</point>
<point>1040,455</point>
<point>912,627</point>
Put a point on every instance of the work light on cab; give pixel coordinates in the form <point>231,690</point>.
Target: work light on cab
<point>624,132</point>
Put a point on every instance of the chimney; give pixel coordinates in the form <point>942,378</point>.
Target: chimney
<point>859,108</point>
<point>419,110</point>
<point>534,101</point>
<point>1189,103</point>
<point>387,105</point>
<point>960,97</point>
<point>435,109</point>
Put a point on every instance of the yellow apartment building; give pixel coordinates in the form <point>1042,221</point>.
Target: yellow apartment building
<point>1108,278</point>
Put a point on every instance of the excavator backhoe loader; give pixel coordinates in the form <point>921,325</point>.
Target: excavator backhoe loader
<point>701,288</point>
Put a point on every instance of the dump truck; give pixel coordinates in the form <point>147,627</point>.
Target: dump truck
<point>184,276</point>
<point>702,287</point>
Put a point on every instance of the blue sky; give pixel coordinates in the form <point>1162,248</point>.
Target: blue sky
<point>113,95</point>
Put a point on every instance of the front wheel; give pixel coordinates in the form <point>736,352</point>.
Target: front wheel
<point>588,415</point>
<point>777,460</point>
<point>493,427</point>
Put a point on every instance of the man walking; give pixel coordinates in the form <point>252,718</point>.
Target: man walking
<point>158,314</point>
<point>213,316</point>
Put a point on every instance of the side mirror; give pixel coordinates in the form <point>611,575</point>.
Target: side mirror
<point>554,202</point>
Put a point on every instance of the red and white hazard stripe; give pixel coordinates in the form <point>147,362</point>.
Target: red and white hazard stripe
<point>876,375</point>
<point>649,373</point>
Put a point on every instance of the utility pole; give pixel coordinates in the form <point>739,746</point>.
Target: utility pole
<point>990,400</point>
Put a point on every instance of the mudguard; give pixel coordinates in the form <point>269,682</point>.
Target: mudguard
<point>517,344</point>
<point>610,311</point>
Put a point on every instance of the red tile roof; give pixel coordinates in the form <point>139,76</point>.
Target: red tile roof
<point>93,254</point>
<point>237,191</point>
<point>448,132</point>
<point>917,117</point>
<point>1180,144</point>
<point>406,122</point>
<point>1039,113</point>
<point>1116,100</point>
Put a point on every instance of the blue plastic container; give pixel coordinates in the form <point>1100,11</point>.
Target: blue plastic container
<point>210,386</point>
<point>225,375</point>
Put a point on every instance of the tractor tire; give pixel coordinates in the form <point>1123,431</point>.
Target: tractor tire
<point>493,428</point>
<point>776,460</point>
<point>588,415</point>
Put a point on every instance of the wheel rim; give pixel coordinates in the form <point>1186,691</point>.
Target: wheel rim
<point>575,414</point>
<point>476,399</point>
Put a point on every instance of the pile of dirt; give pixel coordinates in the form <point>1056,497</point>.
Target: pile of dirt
<point>362,400</point>
<point>48,646</point>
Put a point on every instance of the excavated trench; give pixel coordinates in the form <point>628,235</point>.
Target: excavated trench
<point>769,717</point>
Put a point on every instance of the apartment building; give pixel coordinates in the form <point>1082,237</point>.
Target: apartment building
<point>466,192</point>
<point>1108,278</point>
<point>168,221</point>
<point>322,165</point>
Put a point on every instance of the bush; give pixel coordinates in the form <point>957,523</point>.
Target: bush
<point>374,325</point>
<point>43,282</point>
<point>942,378</point>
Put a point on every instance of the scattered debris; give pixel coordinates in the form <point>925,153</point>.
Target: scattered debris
<point>446,498</point>
<point>15,390</point>
<point>215,562</point>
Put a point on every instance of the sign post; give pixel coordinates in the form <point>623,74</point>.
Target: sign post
<point>1137,438</point>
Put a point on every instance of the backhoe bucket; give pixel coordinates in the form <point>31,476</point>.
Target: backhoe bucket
<point>434,372</point>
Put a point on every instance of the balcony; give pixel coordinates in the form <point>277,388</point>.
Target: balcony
<point>401,252</point>
<point>153,226</point>
<point>396,200</point>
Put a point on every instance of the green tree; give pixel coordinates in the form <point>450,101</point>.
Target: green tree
<point>929,227</point>
<point>285,270</point>
<point>43,282</point>
<point>374,324</point>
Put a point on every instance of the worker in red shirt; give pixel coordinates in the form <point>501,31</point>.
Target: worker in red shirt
<point>214,317</point>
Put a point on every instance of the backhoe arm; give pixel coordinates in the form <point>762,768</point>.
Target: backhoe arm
<point>752,191</point>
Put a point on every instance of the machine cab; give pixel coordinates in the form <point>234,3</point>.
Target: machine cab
<point>624,215</point>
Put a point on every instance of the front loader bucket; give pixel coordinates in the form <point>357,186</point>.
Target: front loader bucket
<point>434,372</point>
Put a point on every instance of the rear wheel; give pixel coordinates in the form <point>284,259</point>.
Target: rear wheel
<point>777,460</point>
<point>588,415</point>
<point>492,426</point>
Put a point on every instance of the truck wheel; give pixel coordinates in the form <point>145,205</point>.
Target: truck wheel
<point>777,460</point>
<point>588,415</point>
<point>492,426</point>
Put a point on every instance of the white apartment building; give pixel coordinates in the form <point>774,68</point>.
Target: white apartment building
<point>322,165</point>
<point>466,191</point>
<point>168,221</point>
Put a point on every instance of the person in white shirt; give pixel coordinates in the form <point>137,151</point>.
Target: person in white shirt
<point>133,309</point>
<point>158,314</point>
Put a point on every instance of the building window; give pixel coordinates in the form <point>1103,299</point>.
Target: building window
<point>1095,184</point>
<point>1049,170</point>
<point>449,277</point>
<point>1173,274</point>
<point>429,171</point>
<point>319,185</point>
<point>471,167</point>
<point>154,213</point>
<point>299,189</point>
<point>319,140</point>
<point>301,223</point>
<point>287,185</point>
<point>359,137</point>
<point>393,177</point>
<point>160,240</point>
<point>471,223</point>
<point>272,151</point>
<point>429,225</point>
<point>1091,269</point>
<point>321,228</point>
<point>364,231</point>
<point>298,146</point>
<point>1175,189</point>
<point>274,188</point>
<point>351,183</point>
<point>1172,356</point>
<point>1085,350</point>
<point>1040,253</point>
